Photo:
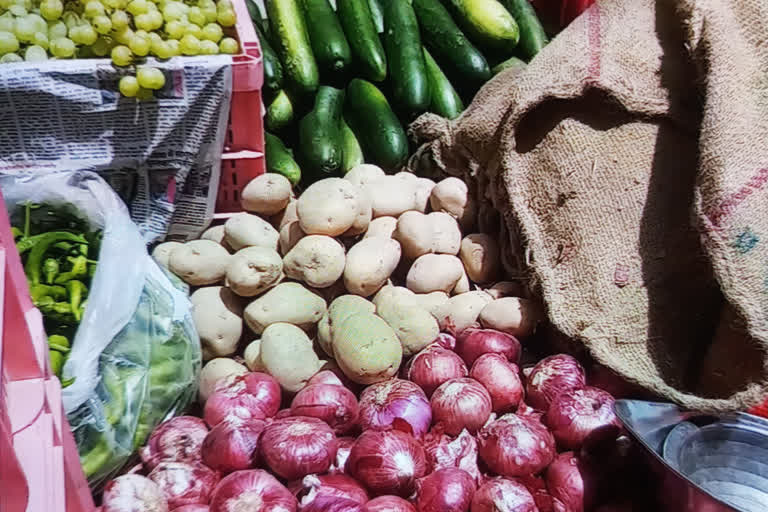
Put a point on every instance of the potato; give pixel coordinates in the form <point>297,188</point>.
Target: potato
<point>461,311</point>
<point>392,196</point>
<point>367,349</point>
<point>215,234</point>
<point>253,270</point>
<point>252,356</point>
<point>317,260</point>
<point>451,195</point>
<point>290,234</point>
<point>362,174</point>
<point>480,255</point>
<point>199,262</point>
<point>432,302</point>
<point>364,213</point>
<point>462,285</point>
<point>246,230</point>
<point>286,302</point>
<point>414,325</point>
<point>511,315</point>
<point>218,317</point>
<point>286,353</point>
<point>328,207</point>
<point>215,370</point>
<point>369,264</point>
<point>286,216</point>
<point>422,193</point>
<point>339,310</point>
<point>162,252</point>
<point>383,227</point>
<point>267,194</point>
<point>420,234</point>
<point>330,293</point>
<point>506,289</point>
<point>433,273</point>
<point>398,293</point>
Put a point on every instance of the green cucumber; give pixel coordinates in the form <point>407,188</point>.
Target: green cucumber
<point>352,153</point>
<point>405,58</point>
<point>279,160</point>
<point>445,100</point>
<point>512,62</point>
<point>377,15</point>
<point>279,113</point>
<point>329,45</point>
<point>289,32</point>
<point>356,18</point>
<point>273,70</point>
<point>375,124</point>
<point>320,134</point>
<point>487,22</point>
<point>448,44</point>
<point>532,35</point>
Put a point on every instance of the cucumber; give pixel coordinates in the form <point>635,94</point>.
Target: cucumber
<point>279,160</point>
<point>405,58</point>
<point>289,33</point>
<point>356,18</point>
<point>512,62</point>
<point>320,134</point>
<point>329,45</point>
<point>279,113</point>
<point>273,70</point>
<point>487,22</point>
<point>377,15</point>
<point>459,58</point>
<point>445,100</point>
<point>375,124</point>
<point>532,35</point>
<point>352,153</point>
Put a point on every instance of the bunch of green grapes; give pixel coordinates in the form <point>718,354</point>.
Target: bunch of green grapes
<point>125,30</point>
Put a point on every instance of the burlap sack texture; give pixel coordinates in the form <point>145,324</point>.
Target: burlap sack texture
<point>629,164</point>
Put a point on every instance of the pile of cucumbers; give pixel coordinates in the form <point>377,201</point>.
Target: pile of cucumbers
<point>341,82</point>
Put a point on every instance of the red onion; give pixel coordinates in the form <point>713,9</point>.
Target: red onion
<point>253,395</point>
<point>387,462</point>
<point>444,452</point>
<point>330,504</point>
<point>502,380</point>
<point>315,490</point>
<point>325,377</point>
<point>503,495</point>
<point>133,493</point>
<point>388,504</point>
<point>578,413</point>
<point>253,490</point>
<point>185,483</point>
<point>298,446</point>
<point>459,404</point>
<point>433,366</point>
<point>231,445</point>
<point>342,454</point>
<point>472,343</point>
<point>516,445</point>
<point>445,490</point>
<point>176,440</point>
<point>538,490</point>
<point>445,340</point>
<point>572,483</point>
<point>283,413</point>
<point>192,508</point>
<point>550,377</point>
<point>395,403</point>
<point>332,403</point>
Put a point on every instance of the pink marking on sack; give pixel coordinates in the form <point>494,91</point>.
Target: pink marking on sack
<point>727,206</point>
<point>594,42</point>
<point>621,275</point>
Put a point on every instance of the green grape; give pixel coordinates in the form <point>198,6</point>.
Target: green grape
<point>229,45</point>
<point>71,19</point>
<point>123,35</point>
<point>208,47</point>
<point>62,47</point>
<point>172,11</point>
<point>121,55</point>
<point>102,24</point>
<point>18,11</point>
<point>154,37</point>
<point>114,4</point>
<point>189,45</point>
<point>226,17</point>
<point>175,29</point>
<point>6,4</point>
<point>161,50</point>
<point>224,4</point>
<point>213,32</point>
<point>143,21</point>
<point>119,20</point>
<point>38,22</point>
<point>173,47</point>
<point>51,9</point>
<point>139,45</point>
<point>83,34</point>
<point>93,8</point>
<point>196,16</point>
<point>8,43</point>
<point>137,7</point>
<point>35,53</point>
<point>210,13</point>
<point>10,57</point>
<point>129,86</point>
<point>7,23</point>
<point>57,29</point>
<point>102,47</point>
<point>41,40</point>
<point>25,29</point>
<point>193,30</point>
<point>145,94</point>
<point>150,78</point>
<point>155,19</point>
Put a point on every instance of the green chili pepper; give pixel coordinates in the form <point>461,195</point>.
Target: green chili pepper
<point>56,311</point>
<point>77,291</point>
<point>54,292</point>
<point>67,382</point>
<point>16,232</point>
<point>96,457</point>
<point>57,361</point>
<point>59,343</point>
<point>91,270</point>
<point>50,269</point>
<point>79,269</point>
<point>39,246</point>
<point>64,246</point>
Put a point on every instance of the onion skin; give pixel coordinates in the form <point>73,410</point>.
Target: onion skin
<point>325,377</point>
<point>395,404</point>
<point>252,395</point>
<point>133,493</point>
<point>445,340</point>
<point>552,376</point>
<point>538,489</point>
<point>176,440</point>
<point>472,343</point>
<point>298,446</point>
<point>502,380</point>
<point>572,484</point>
<point>461,404</point>
<point>232,444</point>
<point>578,414</point>
<point>516,446</point>
<point>185,483</point>
<point>387,462</point>
<point>342,454</point>
<point>444,452</point>
<point>388,504</point>
<point>192,508</point>
<point>433,366</point>
<point>314,487</point>
<point>503,495</point>
<point>253,490</point>
<point>332,403</point>
<point>329,504</point>
<point>445,490</point>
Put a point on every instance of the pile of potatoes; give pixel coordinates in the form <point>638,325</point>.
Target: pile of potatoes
<point>365,270</point>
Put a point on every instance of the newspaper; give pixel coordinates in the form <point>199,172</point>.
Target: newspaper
<point>161,156</point>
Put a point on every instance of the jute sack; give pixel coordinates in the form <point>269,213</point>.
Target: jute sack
<point>626,172</point>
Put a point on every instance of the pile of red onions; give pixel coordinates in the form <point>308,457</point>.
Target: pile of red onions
<point>461,404</point>
<point>516,446</point>
<point>298,446</point>
<point>472,343</point>
<point>388,504</point>
<point>552,376</point>
<point>433,366</point>
<point>318,491</point>
<point>503,495</point>
<point>252,395</point>
<point>176,440</point>
<point>445,490</point>
<point>395,404</point>
<point>387,462</point>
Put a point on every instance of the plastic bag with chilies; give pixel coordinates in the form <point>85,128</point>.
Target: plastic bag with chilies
<point>136,355</point>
